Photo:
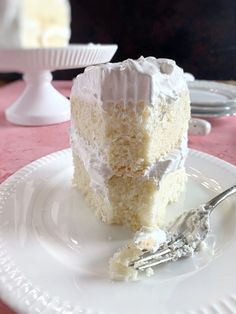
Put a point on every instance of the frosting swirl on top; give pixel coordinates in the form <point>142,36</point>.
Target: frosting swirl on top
<point>144,79</point>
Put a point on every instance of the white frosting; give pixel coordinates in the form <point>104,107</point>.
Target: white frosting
<point>54,32</point>
<point>149,238</point>
<point>27,23</point>
<point>145,79</point>
<point>96,164</point>
<point>9,23</point>
<point>166,164</point>
<point>8,10</point>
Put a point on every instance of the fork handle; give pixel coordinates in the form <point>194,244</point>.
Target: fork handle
<point>219,198</point>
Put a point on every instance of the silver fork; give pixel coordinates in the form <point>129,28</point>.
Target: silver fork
<point>184,235</point>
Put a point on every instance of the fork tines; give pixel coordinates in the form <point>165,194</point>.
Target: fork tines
<point>167,252</point>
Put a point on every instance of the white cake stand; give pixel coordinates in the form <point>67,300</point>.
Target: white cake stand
<point>40,103</point>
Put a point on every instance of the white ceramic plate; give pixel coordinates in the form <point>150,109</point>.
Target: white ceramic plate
<point>202,92</point>
<point>212,99</point>
<point>54,252</point>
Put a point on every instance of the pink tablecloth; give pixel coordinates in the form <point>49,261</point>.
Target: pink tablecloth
<point>21,145</point>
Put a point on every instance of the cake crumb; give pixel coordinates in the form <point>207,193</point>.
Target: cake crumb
<point>146,239</point>
<point>149,272</point>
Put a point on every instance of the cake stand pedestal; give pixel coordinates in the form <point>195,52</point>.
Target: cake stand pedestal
<point>40,103</point>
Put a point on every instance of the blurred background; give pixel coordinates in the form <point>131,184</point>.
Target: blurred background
<point>199,34</point>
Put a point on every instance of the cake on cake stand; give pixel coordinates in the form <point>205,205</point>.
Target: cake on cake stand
<point>40,103</point>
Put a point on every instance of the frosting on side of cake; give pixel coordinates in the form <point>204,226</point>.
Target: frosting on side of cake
<point>97,166</point>
<point>9,23</point>
<point>144,79</point>
<point>32,24</point>
<point>95,163</point>
<point>8,10</point>
<point>168,163</point>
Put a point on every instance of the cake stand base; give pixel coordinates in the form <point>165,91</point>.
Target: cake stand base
<point>40,103</point>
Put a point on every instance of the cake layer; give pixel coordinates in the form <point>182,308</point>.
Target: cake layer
<point>132,140</point>
<point>133,201</point>
<point>33,24</point>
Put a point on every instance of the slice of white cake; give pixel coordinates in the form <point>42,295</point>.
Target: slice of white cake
<point>129,138</point>
<point>34,23</point>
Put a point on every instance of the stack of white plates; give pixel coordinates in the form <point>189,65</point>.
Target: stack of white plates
<point>212,99</point>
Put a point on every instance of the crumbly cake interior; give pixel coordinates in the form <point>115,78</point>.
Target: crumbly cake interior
<point>132,140</point>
